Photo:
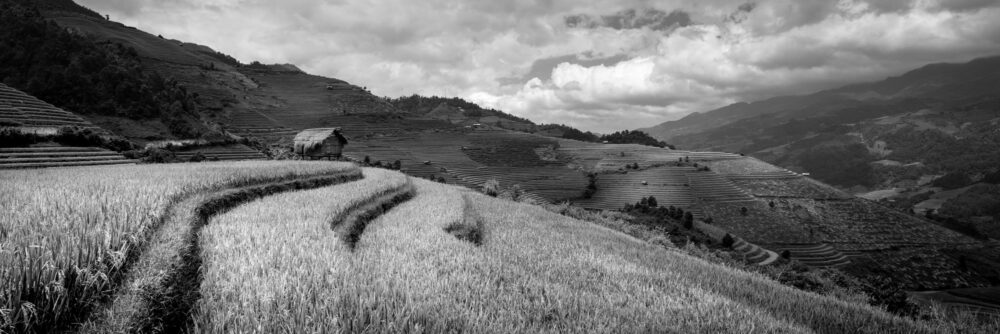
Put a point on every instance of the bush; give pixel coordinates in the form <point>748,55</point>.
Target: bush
<point>727,241</point>
<point>491,187</point>
<point>514,193</point>
<point>953,180</point>
<point>14,138</point>
<point>159,155</point>
<point>197,157</point>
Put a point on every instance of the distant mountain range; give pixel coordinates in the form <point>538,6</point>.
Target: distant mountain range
<point>935,120</point>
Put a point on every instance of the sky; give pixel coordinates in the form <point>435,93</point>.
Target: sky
<point>600,65</point>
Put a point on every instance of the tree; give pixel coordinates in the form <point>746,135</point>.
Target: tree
<point>688,219</point>
<point>368,160</point>
<point>652,202</point>
<point>744,211</point>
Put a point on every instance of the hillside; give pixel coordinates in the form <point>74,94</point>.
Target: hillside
<point>329,247</point>
<point>885,140</point>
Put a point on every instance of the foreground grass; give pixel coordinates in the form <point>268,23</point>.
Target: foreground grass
<point>275,265</point>
<point>68,234</point>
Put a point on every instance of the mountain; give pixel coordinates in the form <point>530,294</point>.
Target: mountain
<point>935,120</point>
<point>127,80</point>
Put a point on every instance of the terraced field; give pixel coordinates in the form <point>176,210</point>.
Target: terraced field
<point>814,255</point>
<point>72,234</point>
<point>712,187</point>
<point>59,156</point>
<point>670,186</point>
<point>256,125</point>
<point>365,251</point>
<point>862,225</point>
<point>787,188</point>
<point>227,152</point>
<point>302,101</point>
<point>21,109</point>
<point>445,157</point>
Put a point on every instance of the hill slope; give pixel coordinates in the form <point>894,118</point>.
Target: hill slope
<point>371,250</point>
<point>941,117</point>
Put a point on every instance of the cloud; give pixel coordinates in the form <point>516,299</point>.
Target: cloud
<point>602,65</point>
<point>649,18</point>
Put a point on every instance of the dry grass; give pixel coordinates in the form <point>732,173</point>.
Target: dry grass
<point>69,233</point>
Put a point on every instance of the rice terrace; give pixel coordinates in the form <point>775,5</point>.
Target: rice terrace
<point>505,167</point>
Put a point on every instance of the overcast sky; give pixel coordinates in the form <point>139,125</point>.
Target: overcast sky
<point>598,65</point>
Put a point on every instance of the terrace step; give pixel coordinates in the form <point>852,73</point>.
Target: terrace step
<point>6,160</point>
<point>50,149</point>
<point>814,255</point>
<point>66,164</point>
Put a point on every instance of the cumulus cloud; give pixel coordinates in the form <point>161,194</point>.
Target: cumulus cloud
<point>602,65</point>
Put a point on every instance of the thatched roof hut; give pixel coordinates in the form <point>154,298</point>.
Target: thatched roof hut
<point>320,142</point>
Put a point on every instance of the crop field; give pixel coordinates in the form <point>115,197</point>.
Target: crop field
<point>385,253</point>
<point>227,152</point>
<point>668,184</point>
<point>712,187</point>
<point>446,157</point>
<point>748,167</point>
<point>269,269</point>
<point>68,233</point>
<point>866,225</point>
<point>20,108</point>
<point>762,224</point>
<point>794,188</point>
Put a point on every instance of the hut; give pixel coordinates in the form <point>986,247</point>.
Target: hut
<point>319,143</point>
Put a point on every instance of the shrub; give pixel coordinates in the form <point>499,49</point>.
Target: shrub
<point>158,155</point>
<point>14,138</point>
<point>491,187</point>
<point>197,157</point>
<point>515,192</point>
<point>953,180</point>
<point>727,241</point>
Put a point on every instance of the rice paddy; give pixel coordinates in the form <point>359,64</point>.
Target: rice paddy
<point>383,254</point>
<point>68,233</point>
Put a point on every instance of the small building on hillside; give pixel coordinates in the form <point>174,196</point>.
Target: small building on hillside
<point>319,143</point>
